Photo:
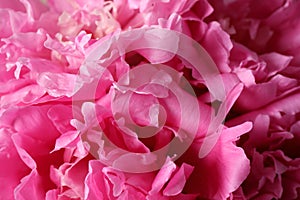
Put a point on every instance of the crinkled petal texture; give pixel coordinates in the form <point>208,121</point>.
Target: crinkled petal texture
<point>265,77</point>
<point>261,55</point>
<point>273,147</point>
<point>108,183</point>
<point>72,127</point>
<point>153,96</point>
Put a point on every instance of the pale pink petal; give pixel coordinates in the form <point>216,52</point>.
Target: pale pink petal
<point>26,95</point>
<point>58,84</point>
<point>61,6</point>
<point>31,44</point>
<point>65,140</point>
<point>30,186</point>
<point>94,181</point>
<point>11,22</point>
<point>156,9</point>
<point>116,178</point>
<point>136,162</point>
<point>71,176</point>
<point>21,148</point>
<point>52,194</point>
<point>174,22</point>
<point>178,181</point>
<point>34,8</point>
<point>162,176</point>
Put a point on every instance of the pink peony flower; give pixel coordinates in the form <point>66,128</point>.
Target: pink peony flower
<point>267,70</point>
<point>264,77</point>
<point>263,59</point>
<point>126,99</point>
<point>272,146</point>
<point>148,96</point>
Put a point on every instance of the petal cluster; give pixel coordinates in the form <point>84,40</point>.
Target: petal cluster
<point>108,99</point>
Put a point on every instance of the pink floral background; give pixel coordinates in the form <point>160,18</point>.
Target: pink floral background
<point>45,139</point>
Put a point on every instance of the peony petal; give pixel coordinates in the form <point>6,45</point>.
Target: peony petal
<point>139,162</point>
<point>213,128</point>
<point>65,140</point>
<point>58,85</point>
<point>30,186</point>
<point>291,182</point>
<point>14,4</point>
<point>178,181</point>
<point>222,170</point>
<point>12,168</point>
<point>218,45</point>
<point>52,194</point>
<point>61,115</point>
<point>26,95</point>
<point>25,156</point>
<point>94,181</point>
<point>256,96</point>
<point>276,62</point>
<point>116,178</point>
<point>34,8</point>
<point>162,176</point>
<point>258,135</point>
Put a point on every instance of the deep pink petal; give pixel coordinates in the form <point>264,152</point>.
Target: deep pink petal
<point>223,169</point>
